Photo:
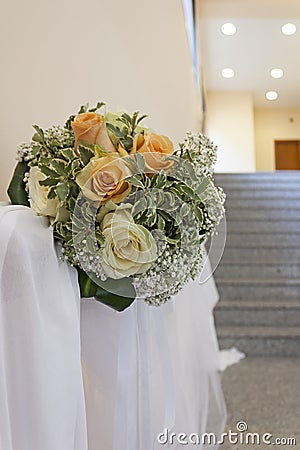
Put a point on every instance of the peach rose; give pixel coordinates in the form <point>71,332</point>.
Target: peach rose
<point>154,148</point>
<point>90,128</point>
<point>103,179</point>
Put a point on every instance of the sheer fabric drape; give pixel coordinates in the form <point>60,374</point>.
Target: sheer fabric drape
<point>144,370</point>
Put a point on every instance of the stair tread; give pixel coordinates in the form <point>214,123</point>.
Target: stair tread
<point>258,281</point>
<point>258,331</point>
<point>260,308</point>
<point>267,233</point>
<point>258,304</point>
<point>232,262</point>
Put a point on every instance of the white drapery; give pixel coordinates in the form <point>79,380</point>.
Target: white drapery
<point>41,390</point>
<point>144,370</point>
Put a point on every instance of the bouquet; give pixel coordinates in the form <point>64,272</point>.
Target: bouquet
<point>128,209</point>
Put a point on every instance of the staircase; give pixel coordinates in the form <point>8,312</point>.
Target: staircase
<point>258,277</point>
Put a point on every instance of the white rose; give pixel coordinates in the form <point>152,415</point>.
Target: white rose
<point>38,195</point>
<point>128,248</point>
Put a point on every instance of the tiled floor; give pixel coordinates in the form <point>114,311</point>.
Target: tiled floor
<point>264,393</point>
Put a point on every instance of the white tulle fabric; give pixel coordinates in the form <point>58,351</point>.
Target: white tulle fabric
<point>41,390</point>
<point>150,369</point>
<point>144,370</point>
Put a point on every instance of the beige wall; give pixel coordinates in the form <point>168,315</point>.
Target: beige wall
<point>270,125</point>
<point>229,122</point>
<point>56,55</point>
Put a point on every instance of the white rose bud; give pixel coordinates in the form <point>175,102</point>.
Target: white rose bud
<point>38,195</point>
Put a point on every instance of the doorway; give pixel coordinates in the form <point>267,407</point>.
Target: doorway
<point>287,155</point>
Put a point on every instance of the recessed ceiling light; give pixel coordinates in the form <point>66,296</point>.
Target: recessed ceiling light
<point>228,73</point>
<point>228,28</point>
<point>276,73</point>
<point>288,29</point>
<point>272,95</point>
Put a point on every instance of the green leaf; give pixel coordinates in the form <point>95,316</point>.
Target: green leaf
<point>99,236</point>
<point>83,108</point>
<point>139,207</point>
<point>187,190</point>
<point>85,154</point>
<point>165,215</point>
<point>172,240</point>
<point>203,186</point>
<point>160,222</point>
<point>127,142</point>
<point>49,182</point>
<point>159,180</point>
<point>59,166</point>
<point>140,161</point>
<point>115,130</point>
<point>79,237</point>
<point>39,136</point>
<point>123,291</point>
<point>100,151</point>
<point>52,193</point>
<point>151,217</point>
<point>125,118</point>
<point>198,213</point>
<point>48,172</point>
<point>141,118</point>
<point>35,149</point>
<point>184,210</point>
<point>68,154</point>
<point>62,190</point>
<point>76,166</point>
<point>16,190</point>
<point>98,106</point>
<point>135,182</point>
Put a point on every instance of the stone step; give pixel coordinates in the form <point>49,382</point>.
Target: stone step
<point>263,203</point>
<point>254,271</point>
<point>261,341</point>
<point>268,226</point>
<point>266,187</point>
<point>261,255</point>
<point>264,289</point>
<point>281,214</point>
<point>253,313</point>
<point>260,240</point>
<point>284,175</point>
<point>258,277</point>
<point>259,190</point>
<point>271,194</point>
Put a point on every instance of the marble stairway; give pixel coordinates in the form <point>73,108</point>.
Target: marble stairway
<point>258,277</point>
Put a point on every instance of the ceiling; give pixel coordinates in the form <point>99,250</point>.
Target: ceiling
<point>256,48</point>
